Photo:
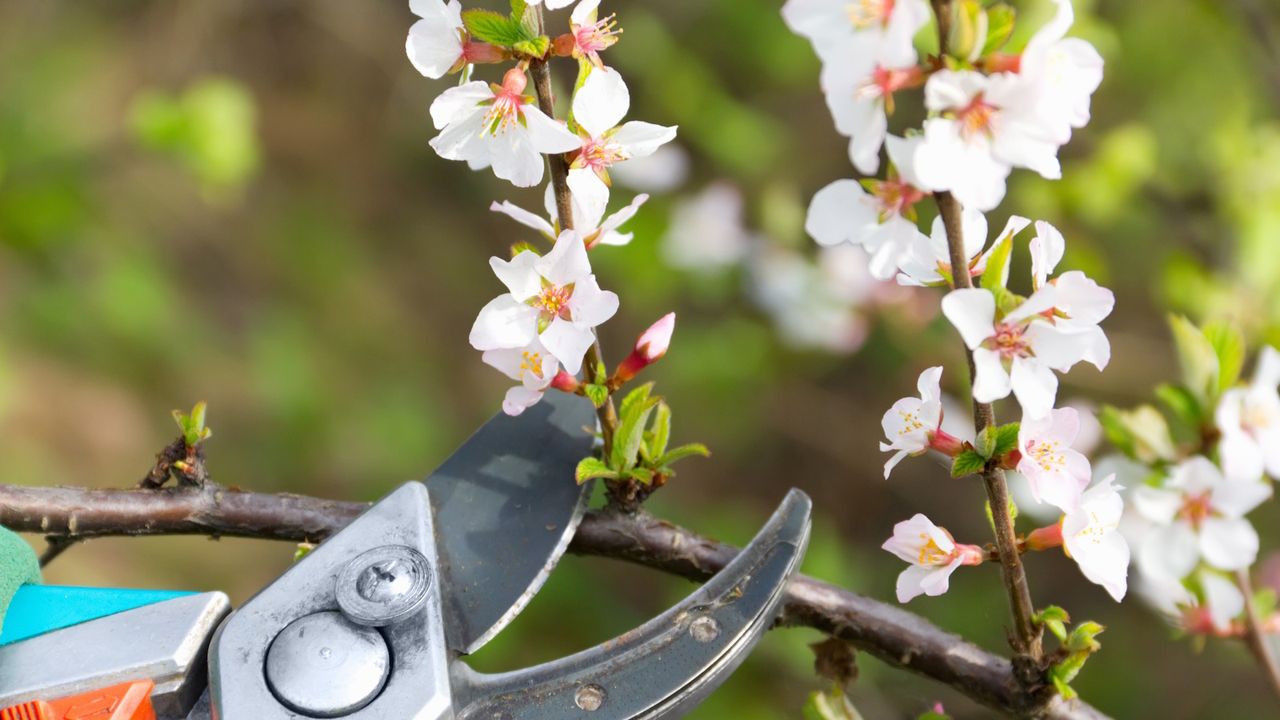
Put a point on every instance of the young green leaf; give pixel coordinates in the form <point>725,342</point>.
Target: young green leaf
<point>1228,345</point>
<point>494,28</point>
<point>968,30</point>
<point>660,431</point>
<point>1055,619</point>
<point>590,468</point>
<point>1006,439</point>
<point>832,705</point>
<point>1197,357</point>
<point>633,416</point>
<point>518,7</point>
<point>642,475</point>
<point>996,274</point>
<point>1182,406</point>
<point>1000,22</point>
<point>682,452</point>
<point>597,394</point>
<point>986,441</point>
<point>535,47</point>
<point>967,463</point>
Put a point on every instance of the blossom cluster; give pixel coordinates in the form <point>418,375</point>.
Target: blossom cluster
<point>1189,521</point>
<point>538,332</point>
<point>987,113</point>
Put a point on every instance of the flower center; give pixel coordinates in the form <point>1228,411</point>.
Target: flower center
<point>591,39</point>
<point>1195,509</point>
<point>977,118</point>
<point>1009,342</point>
<point>884,82</point>
<point>865,13</point>
<point>1256,417</point>
<point>895,197</point>
<point>505,108</point>
<point>598,154</point>
<point>531,362</point>
<point>930,553</point>
<point>553,301</point>
<point>1048,455</point>
<point>910,422</point>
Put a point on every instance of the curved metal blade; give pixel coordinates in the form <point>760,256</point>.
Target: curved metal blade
<point>671,663</point>
<point>506,507</point>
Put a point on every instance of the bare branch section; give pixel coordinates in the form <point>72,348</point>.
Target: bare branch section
<point>897,637</point>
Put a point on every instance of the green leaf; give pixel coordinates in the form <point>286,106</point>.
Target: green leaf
<point>682,452</point>
<point>518,7</point>
<point>1183,406</point>
<point>590,468</point>
<point>302,550</point>
<point>1006,439</point>
<point>1000,22</point>
<point>633,416</point>
<point>1228,346</point>
<point>1006,301</point>
<point>1083,637</point>
<point>968,30</point>
<point>495,28</point>
<point>537,47</point>
<point>986,441</point>
<point>832,705</point>
<point>597,394</point>
<point>1197,357</point>
<point>967,463</point>
<point>641,474</point>
<point>1055,619</point>
<point>660,431</point>
<point>996,274</point>
<point>1141,433</point>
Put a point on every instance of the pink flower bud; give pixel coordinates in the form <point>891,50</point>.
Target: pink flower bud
<point>565,382</point>
<point>480,53</point>
<point>514,81</point>
<point>1046,537</point>
<point>649,349</point>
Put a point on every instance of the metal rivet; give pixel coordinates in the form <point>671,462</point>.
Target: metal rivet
<point>589,697</point>
<point>384,585</point>
<point>704,629</point>
<point>325,666</point>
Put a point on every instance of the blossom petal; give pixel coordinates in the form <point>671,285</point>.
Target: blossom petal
<point>591,306</point>
<point>1035,386</point>
<point>519,274</point>
<point>1228,543</point>
<point>455,101</point>
<point>640,139</point>
<point>434,45</point>
<point>520,398</point>
<point>972,311</point>
<point>547,135</point>
<point>567,262</point>
<point>568,342</point>
<point>524,217</point>
<point>1169,552</point>
<point>602,101</point>
<point>991,382</point>
<point>504,323</point>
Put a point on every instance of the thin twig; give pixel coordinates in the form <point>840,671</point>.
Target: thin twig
<point>899,638</point>
<point>57,544</point>
<point>1255,636</point>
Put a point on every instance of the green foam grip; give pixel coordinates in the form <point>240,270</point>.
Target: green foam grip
<point>18,567</point>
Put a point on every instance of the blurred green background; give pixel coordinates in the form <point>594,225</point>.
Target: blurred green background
<point>235,202</point>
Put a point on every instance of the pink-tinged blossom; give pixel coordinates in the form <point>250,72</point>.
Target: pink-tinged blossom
<point>1199,514</point>
<point>599,107</point>
<point>707,231</point>
<point>1249,419</point>
<point>815,305</point>
<point>859,82</point>
<point>532,366</point>
<point>1211,610</point>
<point>982,127</point>
<point>929,261</point>
<point>1019,351</point>
<point>1091,537</point>
<point>589,219</point>
<point>932,555</point>
<point>911,425</point>
<point>1056,472</point>
<point>876,214</point>
<point>497,125</point>
<point>835,24</point>
<point>589,34</point>
<point>553,298</point>
<point>651,347</point>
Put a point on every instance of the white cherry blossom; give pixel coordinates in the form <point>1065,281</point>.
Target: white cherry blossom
<point>1056,472</point>
<point>984,125</point>
<point>1091,537</point>
<point>1249,418</point>
<point>814,305</point>
<point>599,107</point>
<point>912,422</point>
<point>498,125</point>
<point>834,24</point>
<point>707,231</point>
<point>589,33</point>
<point>1064,71</point>
<point>1019,351</point>
<point>589,219</point>
<point>532,366</point>
<point>933,556</point>
<point>928,263</point>
<point>436,42</point>
<point>553,298</point>
<point>1047,248</point>
<point>858,82</point>
<point>1211,610</point>
<point>1200,514</point>
<point>876,214</point>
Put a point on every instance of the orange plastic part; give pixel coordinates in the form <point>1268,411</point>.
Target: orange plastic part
<point>126,701</point>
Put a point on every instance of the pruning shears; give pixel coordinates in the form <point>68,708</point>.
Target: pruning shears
<point>375,622</point>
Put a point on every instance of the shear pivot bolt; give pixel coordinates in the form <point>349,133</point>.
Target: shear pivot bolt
<point>589,697</point>
<point>704,629</point>
<point>324,666</point>
<point>384,585</point>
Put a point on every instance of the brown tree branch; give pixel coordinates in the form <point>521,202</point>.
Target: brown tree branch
<point>1254,633</point>
<point>897,637</point>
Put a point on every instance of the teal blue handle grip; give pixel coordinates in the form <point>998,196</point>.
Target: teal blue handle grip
<point>38,609</point>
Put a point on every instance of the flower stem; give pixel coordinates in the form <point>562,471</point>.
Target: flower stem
<point>1026,636</point>
<point>559,166</point>
<point>1255,635</point>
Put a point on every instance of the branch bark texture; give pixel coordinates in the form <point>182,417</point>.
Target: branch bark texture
<point>899,638</point>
